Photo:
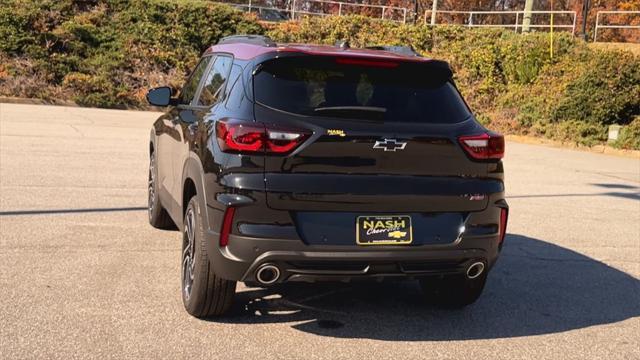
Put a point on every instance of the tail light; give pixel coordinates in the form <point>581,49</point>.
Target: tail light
<point>483,146</point>
<point>227,221</point>
<point>239,136</point>
<point>504,214</point>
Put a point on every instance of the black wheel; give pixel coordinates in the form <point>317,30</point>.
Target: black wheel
<point>203,292</point>
<point>455,291</point>
<point>158,216</point>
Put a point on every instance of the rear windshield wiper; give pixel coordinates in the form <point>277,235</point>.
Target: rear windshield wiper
<point>352,108</point>
<point>367,113</point>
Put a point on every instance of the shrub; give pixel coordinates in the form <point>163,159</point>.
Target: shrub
<point>629,137</point>
<point>95,52</point>
<point>607,93</point>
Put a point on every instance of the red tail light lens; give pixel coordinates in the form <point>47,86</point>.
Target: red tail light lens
<point>504,214</point>
<point>227,221</point>
<point>240,136</point>
<point>483,146</point>
<point>253,137</point>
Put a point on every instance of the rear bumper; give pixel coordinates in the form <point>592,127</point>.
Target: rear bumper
<point>282,238</point>
<point>347,266</point>
<point>300,262</point>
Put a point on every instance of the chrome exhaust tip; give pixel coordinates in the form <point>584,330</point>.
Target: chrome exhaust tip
<point>267,274</point>
<point>474,270</point>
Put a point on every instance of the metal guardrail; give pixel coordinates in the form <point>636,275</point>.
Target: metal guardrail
<point>303,7</point>
<point>341,5</point>
<point>298,7</point>
<point>520,14</point>
<point>603,26</point>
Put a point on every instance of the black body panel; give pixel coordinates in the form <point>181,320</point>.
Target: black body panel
<point>299,210</point>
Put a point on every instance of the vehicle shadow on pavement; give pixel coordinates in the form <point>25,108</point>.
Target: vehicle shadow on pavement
<point>536,288</point>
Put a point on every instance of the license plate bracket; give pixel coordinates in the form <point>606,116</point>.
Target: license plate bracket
<point>384,230</point>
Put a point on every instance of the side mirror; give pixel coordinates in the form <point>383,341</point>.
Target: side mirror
<point>160,96</point>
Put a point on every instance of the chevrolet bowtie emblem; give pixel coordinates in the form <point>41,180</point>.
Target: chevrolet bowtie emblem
<point>390,145</point>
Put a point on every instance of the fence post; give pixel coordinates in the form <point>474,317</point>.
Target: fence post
<point>585,14</point>
<point>434,9</point>
<point>595,35</point>
<point>383,8</point>
<point>470,19</point>
<point>575,18</point>
<point>249,6</point>
<point>517,20</point>
<point>551,33</point>
<point>340,9</point>
<point>293,10</point>
<point>526,21</point>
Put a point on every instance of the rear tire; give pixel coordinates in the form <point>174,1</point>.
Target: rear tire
<point>158,216</point>
<point>454,291</point>
<point>204,294</point>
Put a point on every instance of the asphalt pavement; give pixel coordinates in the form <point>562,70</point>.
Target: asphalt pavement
<point>83,275</point>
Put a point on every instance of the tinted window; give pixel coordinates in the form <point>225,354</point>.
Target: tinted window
<point>191,86</point>
<point>214,82</point>
<point>323,87</point>
<point>235,89</point>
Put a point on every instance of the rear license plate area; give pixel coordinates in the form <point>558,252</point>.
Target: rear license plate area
<point>384,230</point>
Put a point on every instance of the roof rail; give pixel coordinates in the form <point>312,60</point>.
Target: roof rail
<point>402,50</point>
<point>248,39</point>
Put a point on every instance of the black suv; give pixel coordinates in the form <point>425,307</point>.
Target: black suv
<point>289,162</point>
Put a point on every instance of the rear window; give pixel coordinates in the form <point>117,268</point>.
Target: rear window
<point>313,86</point>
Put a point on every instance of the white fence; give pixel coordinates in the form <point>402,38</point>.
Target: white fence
<point>468,18</point>
<point>344,7</point>
<point>601,15</point>
<point>492,19</point>
<point>295,8</point>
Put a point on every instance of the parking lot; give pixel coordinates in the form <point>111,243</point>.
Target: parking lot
<point>84,275</point>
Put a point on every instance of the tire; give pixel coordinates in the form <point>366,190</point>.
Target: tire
<point>158,216</point>
<point>204,294</point>
<point>454,291</point>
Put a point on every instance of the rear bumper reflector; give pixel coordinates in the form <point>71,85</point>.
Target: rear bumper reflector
<point>504,215</point>
<point>227,221</point>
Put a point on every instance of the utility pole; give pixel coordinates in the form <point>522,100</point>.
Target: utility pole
<point>526,21</point>
<point>434,9</point>
<point>585,13</point>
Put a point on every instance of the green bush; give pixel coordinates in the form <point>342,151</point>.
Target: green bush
<point>608,92</point>
<point>629,137</point>
<point>108,52</point>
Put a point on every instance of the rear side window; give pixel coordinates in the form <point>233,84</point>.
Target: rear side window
<point>215,80</point>
<point>191,86</point>
<point>415,93</point>
<point>235,90</point>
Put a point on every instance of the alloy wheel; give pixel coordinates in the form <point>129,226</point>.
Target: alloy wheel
<point>152,184</point>
<point>188,253</point>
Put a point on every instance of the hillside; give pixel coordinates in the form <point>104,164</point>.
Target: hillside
<point>108,53</point>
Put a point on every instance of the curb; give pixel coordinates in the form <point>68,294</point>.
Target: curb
<point>28,101</point>
<point>597,149</point>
